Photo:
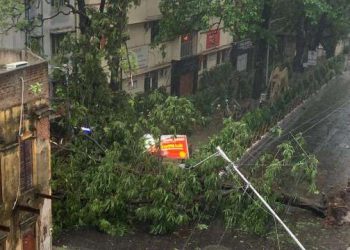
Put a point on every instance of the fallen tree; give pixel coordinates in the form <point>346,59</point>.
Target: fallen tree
<point>121,186</point>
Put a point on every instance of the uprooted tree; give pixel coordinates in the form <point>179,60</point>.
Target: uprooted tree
<point>112,183</point>
<point>107,180</point>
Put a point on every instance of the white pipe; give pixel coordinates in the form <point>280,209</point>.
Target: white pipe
<point>22,103</point>
<point>249,185</point>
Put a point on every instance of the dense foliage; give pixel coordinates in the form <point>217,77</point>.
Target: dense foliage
<point>110,182</point>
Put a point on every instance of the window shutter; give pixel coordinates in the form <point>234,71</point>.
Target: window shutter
<point>26,169</point>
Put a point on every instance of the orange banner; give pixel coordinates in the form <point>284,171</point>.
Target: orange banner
<point>174,147</point>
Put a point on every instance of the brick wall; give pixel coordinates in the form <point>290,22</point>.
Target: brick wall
<point>11,85</point>
<point>43,128</point>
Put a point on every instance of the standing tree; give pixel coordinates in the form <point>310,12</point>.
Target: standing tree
<point>312,21</point>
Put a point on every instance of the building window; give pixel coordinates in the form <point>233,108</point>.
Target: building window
<point>218,57</point>
<point>205,62</point>
<point>188,45</point>
<point>151,81</point>
<point>56,42</point>
<point>58,3</point>
<point>225,55</point>
<point>154,30</point>
<point>26,164</point>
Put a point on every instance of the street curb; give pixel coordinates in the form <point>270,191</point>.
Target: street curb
<point>253,152</point>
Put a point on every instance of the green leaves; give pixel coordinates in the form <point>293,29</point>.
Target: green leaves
<point>240,18</point>
<point>122,186</point>
<point>11,12</point>
<point>174,116</point>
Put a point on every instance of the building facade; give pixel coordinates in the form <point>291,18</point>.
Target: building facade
<point>45,38</point>
<point>175,65</point>
<point>25,171</point>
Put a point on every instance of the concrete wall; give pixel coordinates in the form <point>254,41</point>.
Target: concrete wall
<point>12,40</point>
<point>37,129</point>
<point>59,24</point>
<point>225,39</point>
<point>147,11</point>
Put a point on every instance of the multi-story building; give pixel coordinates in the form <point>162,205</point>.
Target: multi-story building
<point>178,64</point>
<point>176,67</point>
<point>25,194</point>
<point>46,37</point>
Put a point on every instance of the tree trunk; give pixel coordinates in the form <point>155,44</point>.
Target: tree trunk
<point>261,52</point>
<point>300,44</point>
<point>116,38</point>
<point>300,202</point>
<point>102,6</point>
<point>318,36</point>
<point>330,44</point>
<point>84,21</point>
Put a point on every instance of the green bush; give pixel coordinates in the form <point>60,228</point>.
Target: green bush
<point>112,184</point>
<point>217,85</point>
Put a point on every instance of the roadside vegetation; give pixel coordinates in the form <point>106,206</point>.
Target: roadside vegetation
<point>109,181</point>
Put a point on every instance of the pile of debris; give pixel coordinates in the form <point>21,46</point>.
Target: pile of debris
<point>338,207</point>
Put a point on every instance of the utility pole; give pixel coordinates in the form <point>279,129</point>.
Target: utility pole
<point>249,185</point>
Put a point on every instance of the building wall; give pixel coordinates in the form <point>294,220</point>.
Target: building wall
<point>139,28</point>
<point>12,40</point>
<point>161,57</point>
<point>148,10</point>
<point>36,128</point>
<point>59,24</point>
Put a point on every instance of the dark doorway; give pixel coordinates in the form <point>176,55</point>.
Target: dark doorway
<point>186,84</point>
<point>184,76</point>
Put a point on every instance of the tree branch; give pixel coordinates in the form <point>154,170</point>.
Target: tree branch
<point>102,6</point>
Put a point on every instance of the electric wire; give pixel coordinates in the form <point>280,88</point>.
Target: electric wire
<point>200,217</point>
<point>201,162</point>
<point>241,175</point>
<point>315,119</point>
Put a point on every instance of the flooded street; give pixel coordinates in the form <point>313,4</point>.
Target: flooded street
<point>325,123</point>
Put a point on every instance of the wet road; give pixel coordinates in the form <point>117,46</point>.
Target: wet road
<point>328,135</point>
<point>324,122</point>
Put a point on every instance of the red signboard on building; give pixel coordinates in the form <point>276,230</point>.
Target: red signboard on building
<point>174,147</point>
<point>213,38</point>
